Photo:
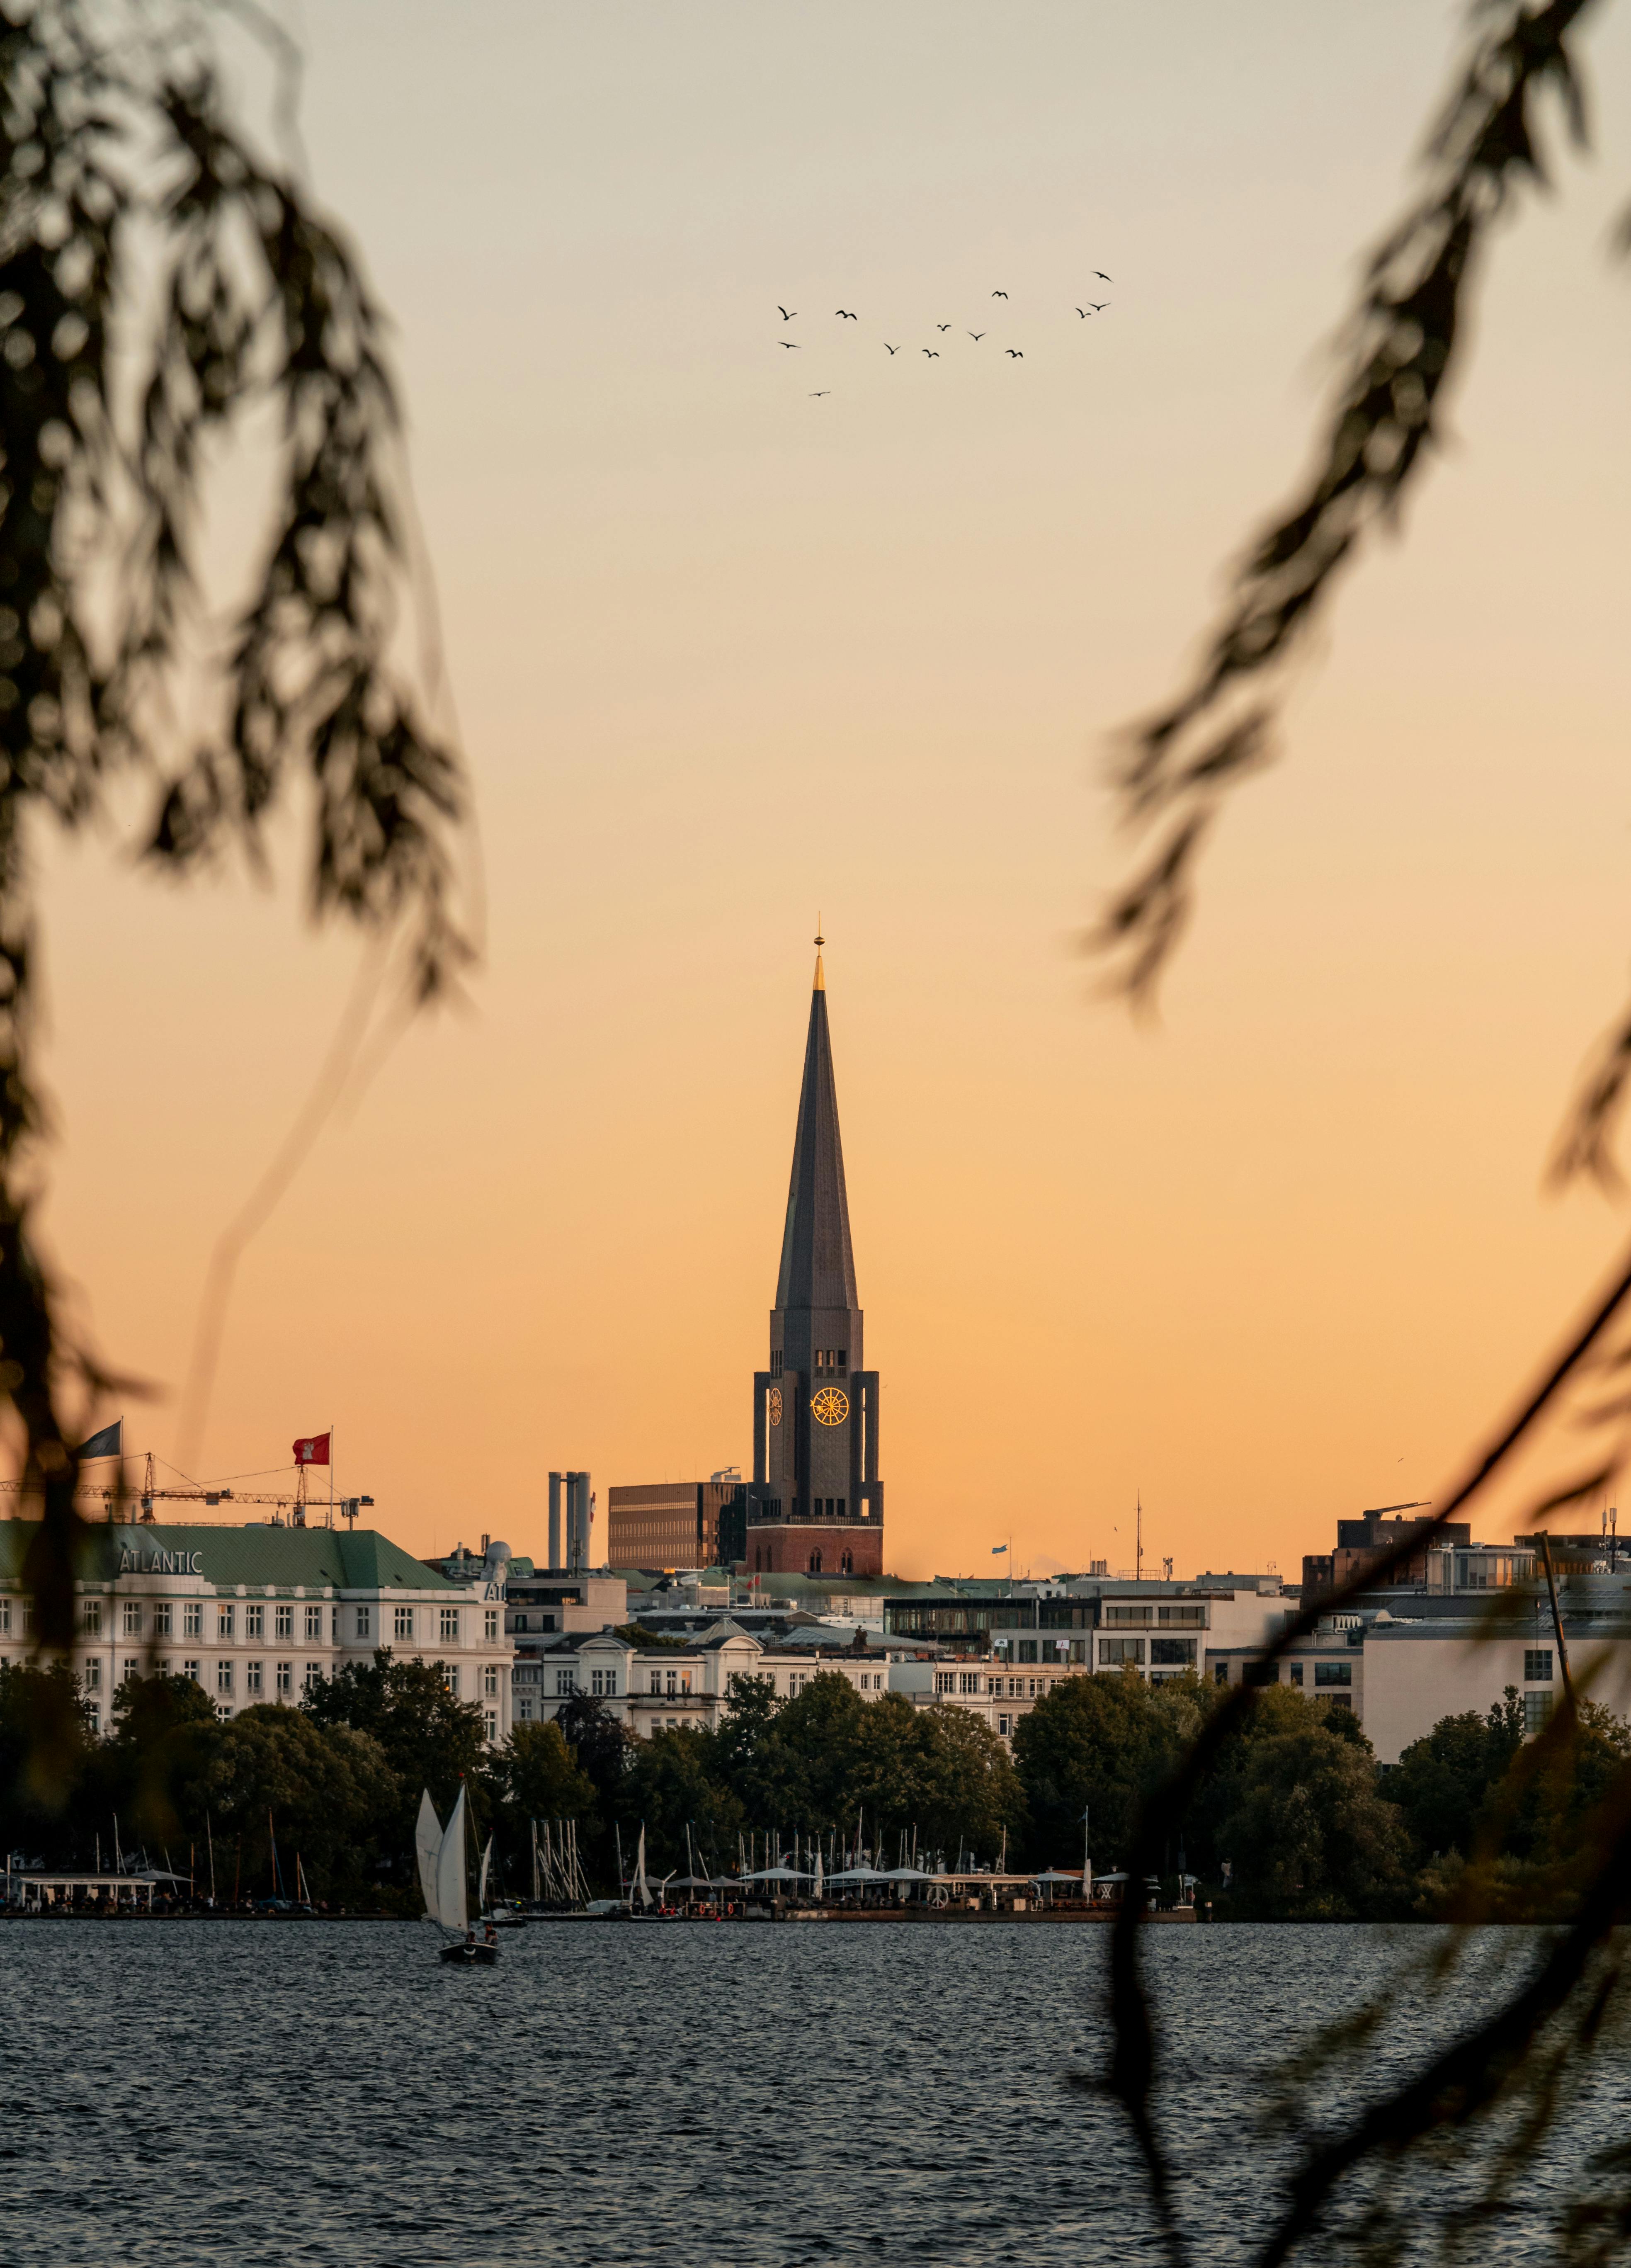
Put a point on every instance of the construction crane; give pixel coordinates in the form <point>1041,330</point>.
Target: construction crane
<point>111,1494</point>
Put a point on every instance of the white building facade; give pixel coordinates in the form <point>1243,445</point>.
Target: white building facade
<point>255,1614</point>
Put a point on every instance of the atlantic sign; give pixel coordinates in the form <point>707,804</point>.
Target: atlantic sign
<point>159,1562</point>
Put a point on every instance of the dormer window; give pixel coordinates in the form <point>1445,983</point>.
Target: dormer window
<point>775,1362</point>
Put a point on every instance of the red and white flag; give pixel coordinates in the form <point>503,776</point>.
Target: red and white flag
<point>313,1451</point>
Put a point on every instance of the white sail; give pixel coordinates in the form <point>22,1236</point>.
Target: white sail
<point>818,1871</point>
<point>427,1846</point>
<point>641,1889</point>
<point>451,1874</point>
<point>486,1860</point>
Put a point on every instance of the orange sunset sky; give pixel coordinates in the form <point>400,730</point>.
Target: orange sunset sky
<point>726,655</point>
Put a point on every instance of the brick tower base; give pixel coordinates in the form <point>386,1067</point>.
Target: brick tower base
<point>789,1548</point>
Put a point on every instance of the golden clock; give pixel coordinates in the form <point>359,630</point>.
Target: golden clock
<point>830,1406</point>
<point>774,1406</point>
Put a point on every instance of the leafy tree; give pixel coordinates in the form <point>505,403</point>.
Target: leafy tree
<point>650,1641</point>
<point>38,1776</point>
<point>327,1792</point>
<point>429,1738</point>
<point>1442,1783</point>
<point>155,1769</point>
<point>598,1743</point>
<point>1099,1743</point>
<point>1307,1833</point>
<point>668,1787</point>
<point>536,1775</point>
<point>963,1789</point>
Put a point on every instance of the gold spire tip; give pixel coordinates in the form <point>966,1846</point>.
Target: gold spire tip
<point>821,981</point>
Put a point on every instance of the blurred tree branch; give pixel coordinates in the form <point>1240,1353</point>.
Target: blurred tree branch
<point>161,285</point>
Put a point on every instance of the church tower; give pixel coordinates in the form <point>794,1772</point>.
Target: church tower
<point>815,1505</point>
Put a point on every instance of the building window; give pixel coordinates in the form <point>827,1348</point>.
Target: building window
<point>967,1681</point>
<point>190,1670</point>
<point>313,1676</point>
<point>252,1677</point>
<point>225,1617</point>
<point>133,1618</point>
<point>566,1681</point>
<point>192,1618</point>
<point>255,1622</point>
<point>525,1710</point>
<point>945,1681</point>
<point>132,1669</point>
<point>1003,1727</point>
<point>224,1677</point>
<point>490,1723</point>
<point>596,1679</point>
<point>5,1619</point>
<point>94,1711</point>
<point>404,1624</point>
<point>93,1675</point>
<point>28,1616</point>
<point>815,1563</point>
<point>285,1679</point>
<point>450,1621</point>
<point>285,1622</point>
<point>314,1622</point>
<point>334,1625</point>
<point>1538,1666</point>
<point>1220,1673</point>
<point>364,1621</point>
<point>491,1623</point>
<point>1334,1673</point>
<point>449,1677</point>
<point>489,1681</point>
<point>1027,1651</point>
<point>775,1362</point>
<point>161,1618</point>
<point>1113,1652</point>
<point>1537,1709</point>
<point>94,1618</point>
<point>1295,1673</point>
<point>673,1681</point>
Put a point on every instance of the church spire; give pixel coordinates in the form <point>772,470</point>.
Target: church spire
<point>818,1266</point>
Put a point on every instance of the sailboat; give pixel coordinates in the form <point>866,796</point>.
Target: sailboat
<point>443,1881</point>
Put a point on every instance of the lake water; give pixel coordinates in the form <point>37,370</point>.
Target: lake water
<point>269,2094</point>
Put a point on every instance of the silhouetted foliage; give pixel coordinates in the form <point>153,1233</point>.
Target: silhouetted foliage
<point>427,1738</point>
<point>162,283</point>
<point>1400,352</point>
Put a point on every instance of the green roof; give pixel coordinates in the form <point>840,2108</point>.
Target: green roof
<point>310,1557</point>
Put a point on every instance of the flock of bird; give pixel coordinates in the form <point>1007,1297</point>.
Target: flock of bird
<point>932,354</point>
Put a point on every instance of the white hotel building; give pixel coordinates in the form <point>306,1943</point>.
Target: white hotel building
<point>255,1614</point>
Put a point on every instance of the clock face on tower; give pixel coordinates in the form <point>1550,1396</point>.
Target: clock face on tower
<point>830,1406</point>
<point>772,1407</point>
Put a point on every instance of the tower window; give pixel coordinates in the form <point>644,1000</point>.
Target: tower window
<point>844,1357</point>
<point>775,1362</point>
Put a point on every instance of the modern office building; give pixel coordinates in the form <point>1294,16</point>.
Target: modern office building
<point>816,1503</point>
<point>666,1524</point>
<point>255,1614</point>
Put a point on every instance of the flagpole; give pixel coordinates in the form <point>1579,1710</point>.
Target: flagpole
<point>331,1472</point>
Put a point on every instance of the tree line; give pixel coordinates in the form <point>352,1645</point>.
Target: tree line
<point>1296,1822</point>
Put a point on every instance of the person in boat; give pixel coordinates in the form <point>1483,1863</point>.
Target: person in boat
<point>470,1940</point>
<point>489,1936</point>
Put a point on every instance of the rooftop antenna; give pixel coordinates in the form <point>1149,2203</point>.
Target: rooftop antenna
<point>1138,1574</point>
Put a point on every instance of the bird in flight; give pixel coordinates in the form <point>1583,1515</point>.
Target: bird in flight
<point>1014,352</point>
<point>943,327</point>
<point>1102,276</point>
<point>791,345</point>
<point>786,313</point>
<point>976,334</point>
<point>1086,311</point>
<point>891,350</point>
<point>1097,303</point>
<point>847,315</point>
<point>999,295</point>
<point>932,354</point>
<point>819,392</point>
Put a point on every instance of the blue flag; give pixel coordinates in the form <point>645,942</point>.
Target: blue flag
<point>996,1549</point>
<point>110,1442</point>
